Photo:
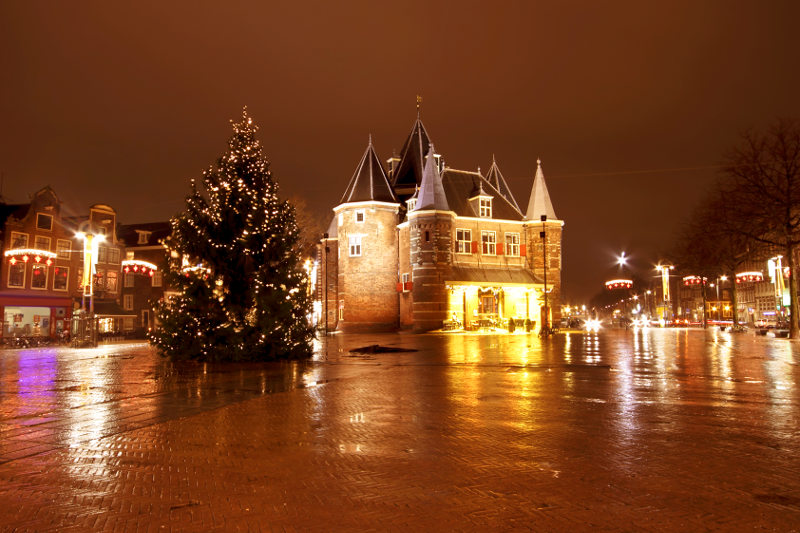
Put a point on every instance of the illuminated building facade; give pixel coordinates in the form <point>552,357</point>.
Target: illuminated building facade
<point>425,246</point>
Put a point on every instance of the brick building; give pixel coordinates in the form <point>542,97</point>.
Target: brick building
<point>142,273</point>
<point>425,246</point>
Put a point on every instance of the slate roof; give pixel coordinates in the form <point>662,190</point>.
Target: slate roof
<point>369,182</point>
<point>492,275</point>
<point>496,179</point>
<point>412,158</point>
<point>128,235</point>
<point>539,203</point>
<point>460,185</point>
<point>431,193</point>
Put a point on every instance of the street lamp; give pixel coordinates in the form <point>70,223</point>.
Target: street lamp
<point>91,238</point>
<point>545,330</point>
<point>664,269</point>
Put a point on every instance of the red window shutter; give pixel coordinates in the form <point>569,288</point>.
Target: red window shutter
<point>522,250</point>
<point>500,248</point>
<point>399,287</point>
<point>474,247</point>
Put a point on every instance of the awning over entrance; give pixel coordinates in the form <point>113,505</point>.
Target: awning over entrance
<point>111,310</point>
<point>495,276</point>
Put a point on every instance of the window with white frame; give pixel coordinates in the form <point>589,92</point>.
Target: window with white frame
<point>19,240</point>
<point>102,254</point>
<point>113,255</point>
<point>60,278</point>
<point>144,236</point>
<point>489,242</point>
<point>111,281</point>
<point>158,278</point>
<point>486,207</point>
<point>512,244</point>
<point>39,277</point>
<point>63,248</point>
<point>128,280</point>
<point>127,302</point>
<point>463,241</point>
<point>41,243</point>
<point>359,216</point>
<point>406,282</point>
<point>44,221</point>
<point>341,309</point>
<point>16,275</point>
<point>355,245</point>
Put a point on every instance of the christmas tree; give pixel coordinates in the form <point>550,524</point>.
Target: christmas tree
<point>234,261</point>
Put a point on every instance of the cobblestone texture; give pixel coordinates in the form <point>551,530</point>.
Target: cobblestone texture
<point>621,431</point>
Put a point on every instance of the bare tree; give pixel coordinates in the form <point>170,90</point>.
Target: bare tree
<point>762,191</point>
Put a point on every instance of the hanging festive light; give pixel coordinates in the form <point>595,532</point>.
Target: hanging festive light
<point>693,280</point>
<point>619,284</point>
<point>138,266</point>
<point>749,277</point>
<point>25,253</point>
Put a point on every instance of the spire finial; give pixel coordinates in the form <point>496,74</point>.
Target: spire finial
<point>493,161</point>
<point>419,103</point>
<point>431,149</point>
<point>370,139</point>
<point>479,170</point>
<point>538,162</point>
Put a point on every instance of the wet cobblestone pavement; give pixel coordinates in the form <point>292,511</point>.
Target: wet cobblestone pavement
<point>620,431</point>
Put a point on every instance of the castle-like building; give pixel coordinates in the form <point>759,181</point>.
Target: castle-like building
<point>425,246</point>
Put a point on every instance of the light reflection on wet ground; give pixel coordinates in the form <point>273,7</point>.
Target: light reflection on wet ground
<point>653,428</point>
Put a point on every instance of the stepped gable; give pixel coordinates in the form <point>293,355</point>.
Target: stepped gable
<point>412,158</point>
<point>539,203</point>
<point>496,180</point>
<point>461,185</point>
<point>431,193</point>
<point>369,182</point>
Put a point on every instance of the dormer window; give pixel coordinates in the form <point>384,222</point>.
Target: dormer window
<point>485,208</point>
<point>411,203</point>
<point>144,236</point>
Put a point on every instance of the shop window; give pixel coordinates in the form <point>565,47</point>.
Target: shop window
<point>44,221</point>
<point>463,241</point>
<point>16,275</point>
<point>355,245</point>
<point>39,277</point>
<point>512,244</point>
<point>60,278</point>
<point>127,302</point>
<point>19,240</point>
<point>489,243</point>
<point>127,324</point>
<point>63,248</point>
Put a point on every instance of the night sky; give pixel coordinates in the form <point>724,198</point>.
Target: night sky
<point>630,105</point>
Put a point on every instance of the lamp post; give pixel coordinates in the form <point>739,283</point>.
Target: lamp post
<point>664,269</point>
<point>325,286</point>
<point>91,239</point>
<point>545,323</point>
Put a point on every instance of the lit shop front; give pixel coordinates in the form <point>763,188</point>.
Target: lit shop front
<point>490,298</point>
<point>35,317</point>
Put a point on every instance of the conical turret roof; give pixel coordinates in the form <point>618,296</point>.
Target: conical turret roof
<point>369,182</point>
<point>539,203</point>
<point>496,180</point>
<point>412,158</point>
<point>431,191</point>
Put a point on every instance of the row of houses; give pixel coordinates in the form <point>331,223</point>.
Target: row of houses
<point>47,267</point>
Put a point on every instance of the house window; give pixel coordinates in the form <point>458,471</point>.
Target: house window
<point>486,208</point>
<point>512,244</point>
<point>19,240</point>
<point>113,256</point>
<point>44,221</point>
<point>111,281</point>
<point>127,302</point>
<point>63,248</point>
<point>39,277</point>
<point>158,278</point>
<point>359,216</point>
<point>146,318</point>
<point>355,245</point>
<point>128,279</point>
<point>341,309</point>
<point>489,242</point>
<point>127,324</point>
<point>406,282</point>
<point>16,275</point>
<point>102,254</point>
<point>41,243</point>
<point>144,236</point>
<point>60,278</point>
<point>463,241</point>
<point>427,236</point>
